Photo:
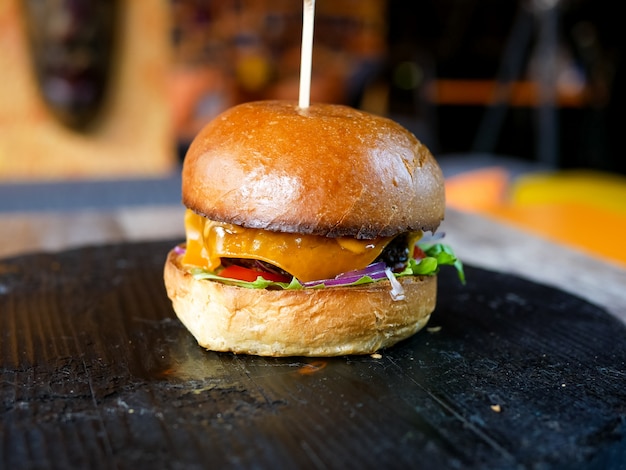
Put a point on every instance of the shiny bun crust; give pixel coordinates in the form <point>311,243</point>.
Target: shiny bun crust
<point>324,322</point>
<point>326,170</point>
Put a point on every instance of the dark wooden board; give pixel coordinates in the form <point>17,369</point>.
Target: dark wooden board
<point>97,372</point>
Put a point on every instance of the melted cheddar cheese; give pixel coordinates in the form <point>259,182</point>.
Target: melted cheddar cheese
<point>307,257</point>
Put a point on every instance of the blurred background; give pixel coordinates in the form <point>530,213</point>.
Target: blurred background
<point>520,101</point>
<point>533,80</point>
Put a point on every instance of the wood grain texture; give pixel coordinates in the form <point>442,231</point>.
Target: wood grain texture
<point>98,373</point>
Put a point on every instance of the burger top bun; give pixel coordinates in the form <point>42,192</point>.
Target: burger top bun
<point>325,170</point>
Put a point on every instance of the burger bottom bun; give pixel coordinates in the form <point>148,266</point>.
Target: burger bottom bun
<point>308,322</point>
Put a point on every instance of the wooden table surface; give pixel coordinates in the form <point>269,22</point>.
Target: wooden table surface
<point>137,391</point>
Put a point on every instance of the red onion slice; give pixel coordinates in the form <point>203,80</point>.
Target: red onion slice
<point>397,291</point>
<point>375,271</point>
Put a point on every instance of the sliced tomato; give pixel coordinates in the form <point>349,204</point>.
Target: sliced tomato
<point>418,253</point>
<point>246,274</point>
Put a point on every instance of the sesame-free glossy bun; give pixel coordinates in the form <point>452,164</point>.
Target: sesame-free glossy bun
<point>307,322</point>
<point>326,170</point>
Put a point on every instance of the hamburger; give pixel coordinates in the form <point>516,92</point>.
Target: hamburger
<point>305,232</point>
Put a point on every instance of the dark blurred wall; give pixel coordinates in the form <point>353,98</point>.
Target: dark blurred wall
<point>472,39</point>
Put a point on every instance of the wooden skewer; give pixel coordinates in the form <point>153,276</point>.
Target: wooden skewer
<point>306,53</point>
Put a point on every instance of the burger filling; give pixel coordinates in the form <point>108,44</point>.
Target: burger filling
<point>231,251</point>
<point>213,244</point>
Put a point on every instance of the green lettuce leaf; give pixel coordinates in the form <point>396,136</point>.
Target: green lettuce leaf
<point>444,255</point>
<point>259,283</point>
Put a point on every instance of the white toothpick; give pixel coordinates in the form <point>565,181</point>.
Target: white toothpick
<point>306,53</point>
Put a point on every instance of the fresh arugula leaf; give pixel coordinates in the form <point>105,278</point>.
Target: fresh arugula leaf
<point>445,256</point>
